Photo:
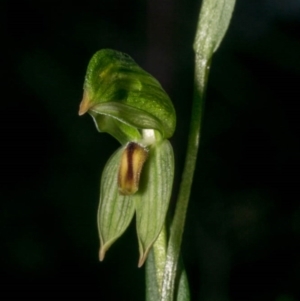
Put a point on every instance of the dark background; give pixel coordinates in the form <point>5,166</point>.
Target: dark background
<point>243,227</point>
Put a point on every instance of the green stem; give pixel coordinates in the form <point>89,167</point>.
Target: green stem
<point>213,22</point>
<point>201,76</point>
<point>155,267</point>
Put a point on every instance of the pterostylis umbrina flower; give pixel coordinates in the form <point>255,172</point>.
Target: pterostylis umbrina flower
<point>128,103</point>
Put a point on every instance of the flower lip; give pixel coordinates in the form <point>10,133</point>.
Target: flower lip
<point>132,162</point>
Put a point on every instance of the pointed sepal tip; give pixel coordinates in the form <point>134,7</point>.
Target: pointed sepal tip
<point>143,258</point>
<point>102,253</point>
<point>85,104</point>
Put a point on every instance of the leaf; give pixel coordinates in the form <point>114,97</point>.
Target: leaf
<point>213,22</point>
<point>115,211</point>
<point>153,199</point>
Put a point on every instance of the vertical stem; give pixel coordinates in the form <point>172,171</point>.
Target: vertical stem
<point>155,267</point>
<point>213,23</point>
<point>201,76</point>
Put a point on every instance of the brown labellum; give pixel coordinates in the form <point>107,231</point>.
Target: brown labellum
<point>132,161</point>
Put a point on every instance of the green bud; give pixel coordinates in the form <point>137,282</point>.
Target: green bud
<point>123,99</point>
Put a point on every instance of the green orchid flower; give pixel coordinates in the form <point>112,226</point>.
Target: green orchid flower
<point>130,104</point>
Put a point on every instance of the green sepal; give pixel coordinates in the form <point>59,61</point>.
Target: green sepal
<point>152,201</point>
<point>125,121</point>
<point>114,77</point>
<point>115,211</point>
<point>121,131</point>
